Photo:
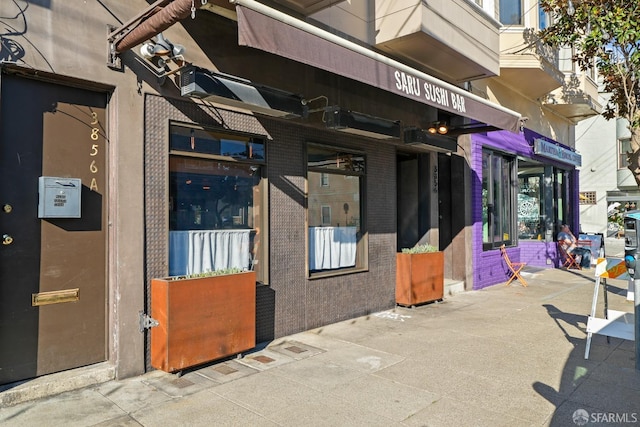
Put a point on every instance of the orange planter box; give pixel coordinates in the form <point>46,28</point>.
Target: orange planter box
<point>419,278</point>
<point>202,319</point>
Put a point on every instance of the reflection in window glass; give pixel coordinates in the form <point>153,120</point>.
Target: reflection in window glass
<point>511,12</point>
<point>336,237</point>
<point>498,200</point>
<point>204,141</point>
<point>530,219</point>
<point>215,211</point>
<point>542,196</point>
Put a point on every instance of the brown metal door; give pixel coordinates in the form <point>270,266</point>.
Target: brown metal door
<point>52,270</point>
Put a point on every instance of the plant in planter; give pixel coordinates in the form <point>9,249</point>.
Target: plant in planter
<point>419,275</point>
<point>202,317</point>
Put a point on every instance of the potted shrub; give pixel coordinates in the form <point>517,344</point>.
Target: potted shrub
<point>419,275</point>
<point>202,317</point>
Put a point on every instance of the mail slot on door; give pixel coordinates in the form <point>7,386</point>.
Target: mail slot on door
<point>59,197</point>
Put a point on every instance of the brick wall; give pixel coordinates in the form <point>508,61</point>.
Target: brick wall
<point>489,268</point>
<point>300,303</point>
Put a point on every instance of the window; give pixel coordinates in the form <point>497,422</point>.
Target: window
<point>337,240</point>
<point>511,12</point>
<point>588,198</point>
<point>216,202</point>
<point>544,19</point>
<point>542,200</point>
<point>326,215</point>
<point>624,147</point>
<point>565,60</point>
<point>324,179</point>
<point>498,199</point>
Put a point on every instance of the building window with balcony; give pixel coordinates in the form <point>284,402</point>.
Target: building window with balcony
<point>624,147</point>
<point>498,199</point>
<point>336,230</point>
<point>511,12</point>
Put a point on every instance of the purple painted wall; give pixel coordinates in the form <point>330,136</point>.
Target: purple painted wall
<point>489,267</point>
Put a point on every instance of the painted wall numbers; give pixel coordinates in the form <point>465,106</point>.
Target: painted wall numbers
<point>95,149</point>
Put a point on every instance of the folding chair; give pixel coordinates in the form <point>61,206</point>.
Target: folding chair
<point>514,267</point>
<point>568,260</point>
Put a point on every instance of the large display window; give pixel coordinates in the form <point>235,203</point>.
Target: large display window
<point>216,202</point>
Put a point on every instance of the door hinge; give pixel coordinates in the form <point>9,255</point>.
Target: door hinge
<point>146,321</point>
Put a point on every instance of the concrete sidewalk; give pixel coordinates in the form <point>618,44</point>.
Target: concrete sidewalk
<point>503,356</point>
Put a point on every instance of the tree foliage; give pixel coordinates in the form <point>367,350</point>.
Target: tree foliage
<point>605,33</point>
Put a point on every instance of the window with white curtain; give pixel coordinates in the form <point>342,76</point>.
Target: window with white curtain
<point>216,202</point>
<point>336,238</point>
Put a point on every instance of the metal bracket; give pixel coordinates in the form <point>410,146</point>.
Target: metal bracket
<point>113,59</point>
<point>146,321</point>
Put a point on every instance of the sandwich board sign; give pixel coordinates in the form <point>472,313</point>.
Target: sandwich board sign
<point>617,324</point>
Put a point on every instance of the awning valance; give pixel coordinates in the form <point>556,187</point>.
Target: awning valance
<point>272,31</point>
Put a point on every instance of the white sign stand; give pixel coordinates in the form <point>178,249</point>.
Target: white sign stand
<point>617,324</point>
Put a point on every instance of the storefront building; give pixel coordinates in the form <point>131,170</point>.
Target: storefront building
<point>309,161</point>
<point>527,186</point>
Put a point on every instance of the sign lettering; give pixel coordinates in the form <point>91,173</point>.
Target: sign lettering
<point>415,87</point>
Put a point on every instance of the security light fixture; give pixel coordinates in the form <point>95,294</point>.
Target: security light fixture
<point>161,47</point>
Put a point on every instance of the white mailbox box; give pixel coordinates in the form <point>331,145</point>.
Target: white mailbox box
<point>59,197</point>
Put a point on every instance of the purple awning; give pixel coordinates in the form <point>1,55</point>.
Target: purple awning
<point>294,39</point>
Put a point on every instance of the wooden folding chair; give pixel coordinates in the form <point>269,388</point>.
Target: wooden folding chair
<point>514,267</point>
<point>568,260</point>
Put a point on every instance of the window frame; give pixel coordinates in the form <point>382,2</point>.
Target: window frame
<point>506,191</point>
<point>587,198</point>
<point>622,152</point>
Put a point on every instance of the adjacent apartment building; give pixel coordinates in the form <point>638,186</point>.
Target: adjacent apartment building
<point>318,137</point>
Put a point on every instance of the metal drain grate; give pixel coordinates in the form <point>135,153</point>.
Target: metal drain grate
<point>225,370</point>
<point>295,349</point>
<point>263,359</point>
<point>181,383</point>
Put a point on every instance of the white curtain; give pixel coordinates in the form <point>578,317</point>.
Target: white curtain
<point>196,251</point>
<point>332,247</point>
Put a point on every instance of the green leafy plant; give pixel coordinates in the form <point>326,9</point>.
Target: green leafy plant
<point>209,273</point>
<point>420,249</point>
<point>604,32</point>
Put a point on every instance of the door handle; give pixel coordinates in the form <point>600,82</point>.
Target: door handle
<point>6,239</point>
